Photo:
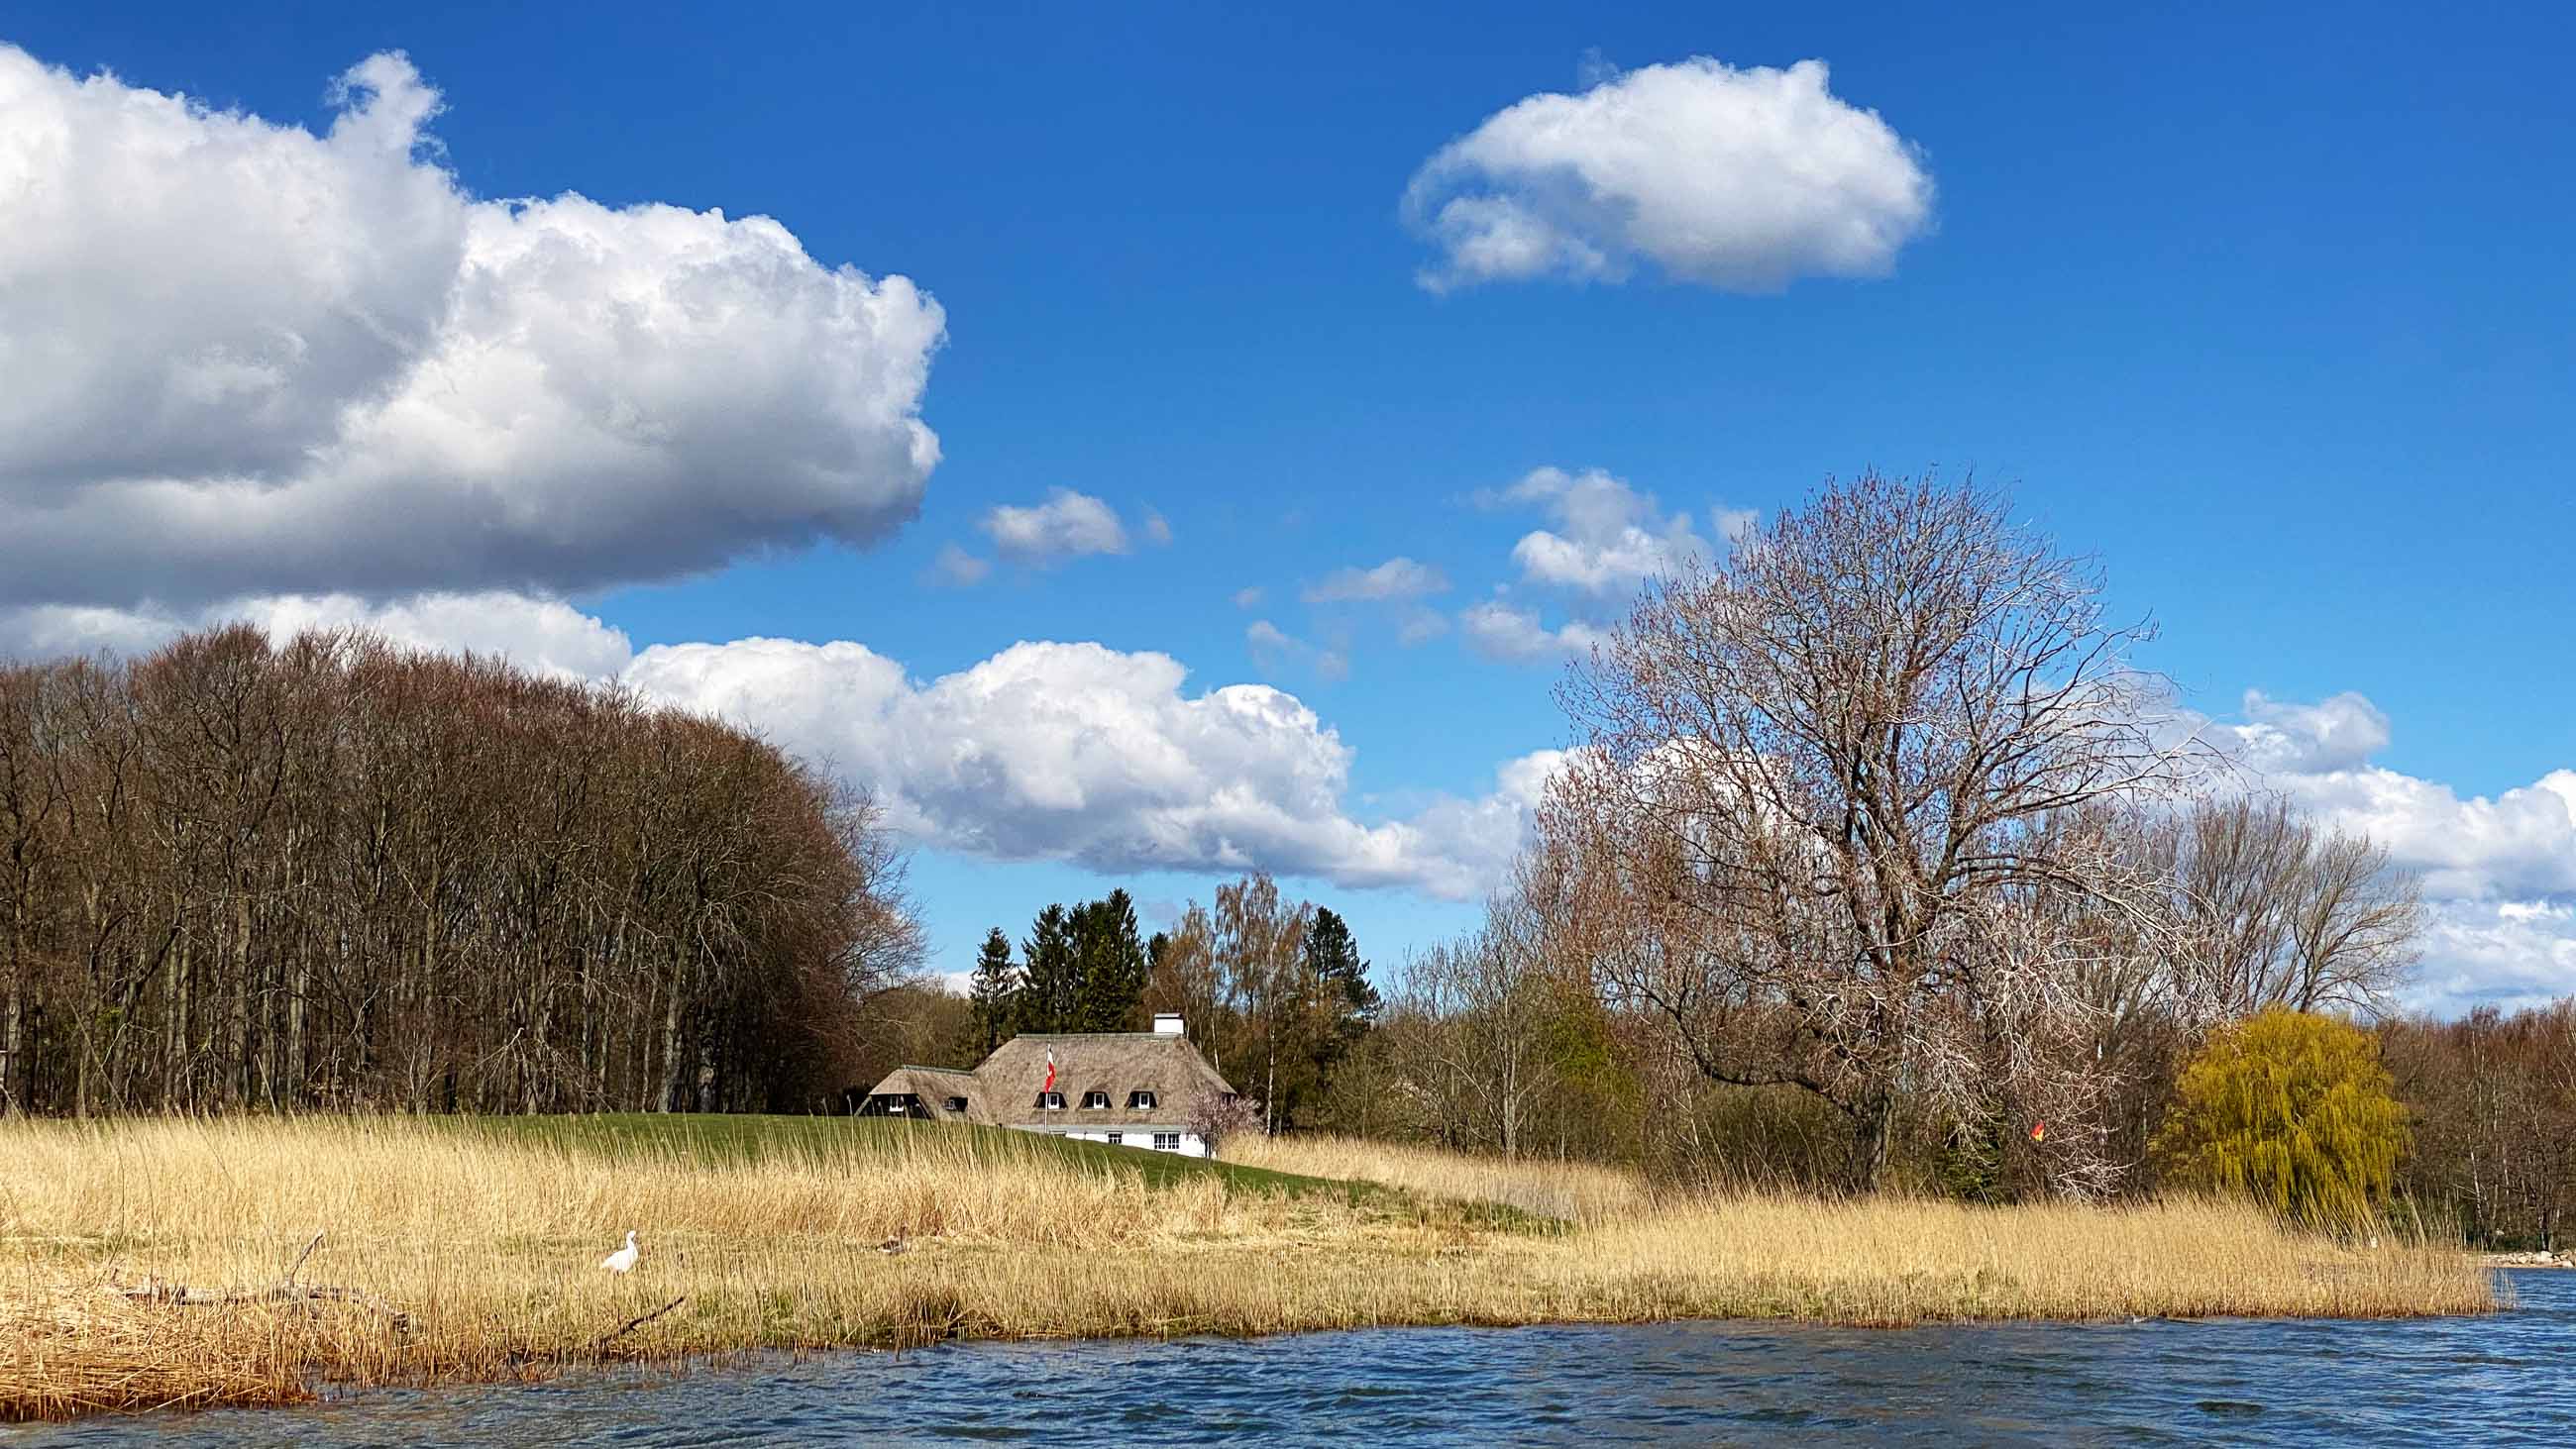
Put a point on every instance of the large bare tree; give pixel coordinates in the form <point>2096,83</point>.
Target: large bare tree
<point>1813,820</point>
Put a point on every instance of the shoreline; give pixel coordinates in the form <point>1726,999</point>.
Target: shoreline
<point>2534,1259</point>
<point>486,1242</point>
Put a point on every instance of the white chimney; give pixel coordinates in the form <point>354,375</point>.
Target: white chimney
<point>1168,1023</point>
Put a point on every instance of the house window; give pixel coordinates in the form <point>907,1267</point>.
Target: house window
<point>1050,1101</point>
<point>1167,1142</point>
<point>956,1104</point>
<point>1117,1137</point>
<point>1140,1101</point>
<point>1095,1101</point>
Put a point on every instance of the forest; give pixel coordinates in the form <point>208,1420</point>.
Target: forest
<point>335,874</point>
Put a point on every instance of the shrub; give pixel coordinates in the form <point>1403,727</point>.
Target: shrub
<point>2292,1109</point>
<point>1215,1119</point>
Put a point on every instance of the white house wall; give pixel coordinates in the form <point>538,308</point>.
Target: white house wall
<point>1141,1138</point>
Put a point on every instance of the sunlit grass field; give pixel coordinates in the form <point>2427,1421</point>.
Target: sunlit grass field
<point>485,1236</point>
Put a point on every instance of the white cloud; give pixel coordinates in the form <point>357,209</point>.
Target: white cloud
<point>958,568</point>
<point>2333,734</point>
<point>1742,180</point>
<point>1274,647</point>
<point>1067,525</point>
<point>1608,538</point>
<point>1158,529</point>
<point>2520,843</point>
<point>1081,753</point>
<point>1514,635</point>
<point>546,635</point>
<point>2508,953</point>
<point>1396,579</point>
<point>1249,597</point>
<point>2499,872</point>
<point>242,358</point>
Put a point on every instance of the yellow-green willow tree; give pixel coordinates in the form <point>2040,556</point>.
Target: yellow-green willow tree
<point>2292,1109</point>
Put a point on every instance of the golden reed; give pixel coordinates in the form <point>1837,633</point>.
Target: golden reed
<point>489,1244</point>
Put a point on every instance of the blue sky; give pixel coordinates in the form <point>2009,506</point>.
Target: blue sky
<point>2272,312</point>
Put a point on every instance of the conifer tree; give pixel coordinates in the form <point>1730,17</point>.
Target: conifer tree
<point>1051,979</point>
<point>1343,992</point>
<point>996,990</point>
<point>1112,962</point>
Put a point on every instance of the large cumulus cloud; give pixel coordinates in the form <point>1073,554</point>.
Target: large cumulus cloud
<point>1082,753</point>
<point>1738,179</point>
<point>238,357</point>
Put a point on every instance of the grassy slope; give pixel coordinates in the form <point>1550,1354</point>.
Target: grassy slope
<point>725,1138</point>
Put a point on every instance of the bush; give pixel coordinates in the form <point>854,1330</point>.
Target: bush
<point>2293,1110</point>
<point>1215,1119</point>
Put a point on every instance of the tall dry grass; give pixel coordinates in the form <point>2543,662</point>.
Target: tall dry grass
<point>490,1246</point>
<point>1577,1192</point>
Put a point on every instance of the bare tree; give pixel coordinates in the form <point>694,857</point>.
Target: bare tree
<point>2283,914</point>
<point>332,873</point>
<point>1817,782</point>
<point>1479,1008</point>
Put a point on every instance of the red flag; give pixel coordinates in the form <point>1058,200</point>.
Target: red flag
<point>2038,1131</point>
<point>1050,1085</point>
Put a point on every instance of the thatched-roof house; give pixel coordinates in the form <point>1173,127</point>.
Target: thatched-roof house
<point>1125,1088</point>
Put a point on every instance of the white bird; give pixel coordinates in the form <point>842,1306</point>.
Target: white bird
<point>623,1260</point>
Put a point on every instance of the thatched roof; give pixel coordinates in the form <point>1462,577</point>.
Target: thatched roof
<point>1003,1092</point>
<point>934,1086</point>
<point>1117,1063</point>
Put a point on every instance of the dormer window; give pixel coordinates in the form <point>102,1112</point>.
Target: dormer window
<point>1050,1101</point>
<point>1095,1101</point>
<point>1140,1101</point>
<point>956,1104</point>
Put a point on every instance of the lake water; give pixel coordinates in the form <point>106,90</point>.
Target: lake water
<point>2506,1379</point>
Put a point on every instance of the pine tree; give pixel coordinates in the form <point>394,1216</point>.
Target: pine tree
<point>996,990</point>
<point>1344,992</point>
<point>1344,1004</point>
<point>1051,979</point>
<point>1112,963</point>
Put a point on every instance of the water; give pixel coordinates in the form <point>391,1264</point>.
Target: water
<point>2506,1379</point>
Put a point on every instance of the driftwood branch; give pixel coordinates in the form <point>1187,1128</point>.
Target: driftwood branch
<point>638,1321</point>
<point>285,1290</point>
<point>298,1269</point>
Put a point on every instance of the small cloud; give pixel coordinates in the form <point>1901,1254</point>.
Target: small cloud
<point>1276,648</point>
<point>1607,536</point>
<point>1158,529</point>
<point>958,568</point>
<point>1067,525</point>
<point>1498,630</point>
<point>1419,627</point>
<point>1397,578</point>
<point>1246,598</point>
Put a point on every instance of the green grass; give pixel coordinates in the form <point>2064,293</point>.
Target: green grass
<point>736,1137</point>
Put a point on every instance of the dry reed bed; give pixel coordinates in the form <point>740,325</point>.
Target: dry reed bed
<point>1577,1192</point>
<point>490,1246</point>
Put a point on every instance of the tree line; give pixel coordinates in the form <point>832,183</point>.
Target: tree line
<point>1879,860</point>
<point>333,873</point>
<point>1274,992</point>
